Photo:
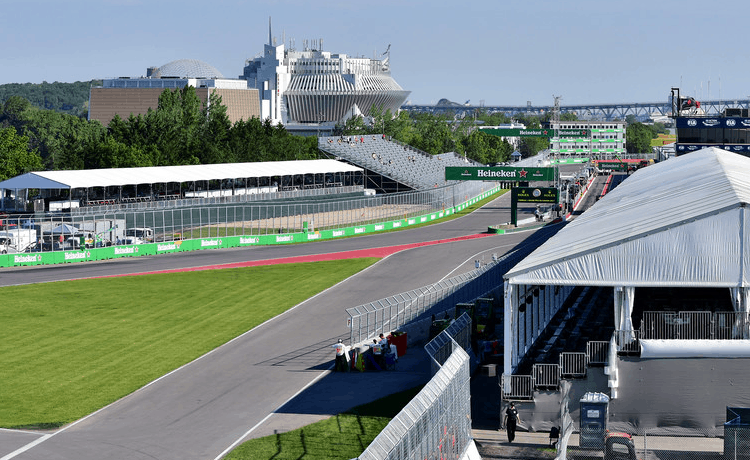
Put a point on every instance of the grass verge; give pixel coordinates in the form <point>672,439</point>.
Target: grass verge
<point>70,348</point>
<point>341,437</point>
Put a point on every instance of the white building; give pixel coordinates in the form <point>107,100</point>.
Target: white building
<point>318,87</point>
<point>604,139</point>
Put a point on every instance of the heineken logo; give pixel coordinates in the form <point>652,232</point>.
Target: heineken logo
<point>26,259</point>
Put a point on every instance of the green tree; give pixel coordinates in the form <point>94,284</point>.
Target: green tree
<point>638,138</point>
<point>13,110</point>
<point>213,133</point>
<point>530,146</point>
<point>15,157</point>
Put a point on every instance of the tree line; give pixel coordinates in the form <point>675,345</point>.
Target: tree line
<point>182,130</point>
<point>70,98</point>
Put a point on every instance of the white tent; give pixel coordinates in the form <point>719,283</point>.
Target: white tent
<point>167,174</point>
<point>677,223</point>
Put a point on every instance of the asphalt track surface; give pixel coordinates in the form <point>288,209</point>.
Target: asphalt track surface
<point>275,376</point>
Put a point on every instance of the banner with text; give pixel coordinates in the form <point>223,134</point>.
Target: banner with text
<point>501,173</point>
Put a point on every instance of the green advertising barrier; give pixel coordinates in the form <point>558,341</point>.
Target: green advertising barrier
<point>115,252</point>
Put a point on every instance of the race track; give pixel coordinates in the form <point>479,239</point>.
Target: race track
<point>202,409</point>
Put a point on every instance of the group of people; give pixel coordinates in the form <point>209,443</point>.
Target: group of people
<point>380,355</point>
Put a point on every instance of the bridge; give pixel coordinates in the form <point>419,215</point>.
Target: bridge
<point>606,112</point>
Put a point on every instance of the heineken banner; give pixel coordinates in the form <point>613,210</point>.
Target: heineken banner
<point>539,132</point>
<point>534,195</point>
<point>501,173</point>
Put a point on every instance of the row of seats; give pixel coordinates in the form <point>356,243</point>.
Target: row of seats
<point>402,163</point>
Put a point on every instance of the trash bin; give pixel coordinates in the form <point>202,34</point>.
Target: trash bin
<point>398,339</point>
<point>593,423</point>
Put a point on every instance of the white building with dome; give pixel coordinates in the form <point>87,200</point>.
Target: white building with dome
<point>312,87</point>
<point>125,96</point>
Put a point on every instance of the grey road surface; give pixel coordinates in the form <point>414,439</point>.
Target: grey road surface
<point>202,409</point>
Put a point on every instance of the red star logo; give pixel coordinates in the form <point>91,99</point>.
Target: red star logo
<point>545,132</point>
<point>523,173</point>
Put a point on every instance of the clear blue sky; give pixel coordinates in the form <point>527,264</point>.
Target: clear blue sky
<point>501,52</point>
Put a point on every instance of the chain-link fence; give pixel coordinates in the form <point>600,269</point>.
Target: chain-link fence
<point>436,424</point>
<point>59,232</point>
<point>441,347</point>
<point>389,314</point>
<point>665,443</point>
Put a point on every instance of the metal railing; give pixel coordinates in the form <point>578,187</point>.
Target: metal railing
<point>694,325</point>
<point>236,219</point>
<point>391,313</point>
<point>546,375</point>
<point>573,364</point>
<point>441,347</point>
<point>627,341</point>
<point>368,320</point>
<point>517,386</point>
<point>437,422</point>
<point>597,352</point>
<point>684,325</point>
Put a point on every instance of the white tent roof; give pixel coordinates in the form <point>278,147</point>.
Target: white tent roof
<point>681,222</point>
<point>161,174</point>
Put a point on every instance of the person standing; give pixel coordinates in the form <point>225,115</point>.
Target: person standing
<point>511,421</point>
<point>341,358</point>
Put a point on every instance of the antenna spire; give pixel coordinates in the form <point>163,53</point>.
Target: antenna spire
<point>270,40</point>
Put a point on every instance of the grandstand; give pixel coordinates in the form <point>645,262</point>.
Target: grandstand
<point>396,166</point>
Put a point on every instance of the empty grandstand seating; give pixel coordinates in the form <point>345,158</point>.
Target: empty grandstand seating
<point>399,162</point>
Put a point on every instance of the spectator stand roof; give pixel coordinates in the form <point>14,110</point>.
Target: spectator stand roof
<point>680,223</point>
<point>167,174</point>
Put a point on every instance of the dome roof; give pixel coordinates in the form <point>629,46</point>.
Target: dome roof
<point>187,68</point>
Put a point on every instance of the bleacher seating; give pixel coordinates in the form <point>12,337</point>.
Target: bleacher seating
<point>399,162</point>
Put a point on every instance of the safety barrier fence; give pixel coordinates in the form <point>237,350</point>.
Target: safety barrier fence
<point>441,347</point>
<point>596,352</point>
<point>547,376</point>
<point>222,197</point>
<point>669,443</point>
<point>573,365</point>
<point>684,325</point>
<point>56,239</point>
<point>694,325</point>
<point>389,314</point>
<point>436,424</point>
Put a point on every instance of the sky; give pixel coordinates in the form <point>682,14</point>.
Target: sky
<point>490,52</point>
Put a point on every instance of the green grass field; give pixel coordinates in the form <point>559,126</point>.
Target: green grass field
<point>341,437</point>
<point>70,348</point>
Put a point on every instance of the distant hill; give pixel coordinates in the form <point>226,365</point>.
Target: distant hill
<point>446,103</point>
<point>70,98</point>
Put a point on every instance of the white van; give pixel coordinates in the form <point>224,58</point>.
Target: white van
<point>139,235</point>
